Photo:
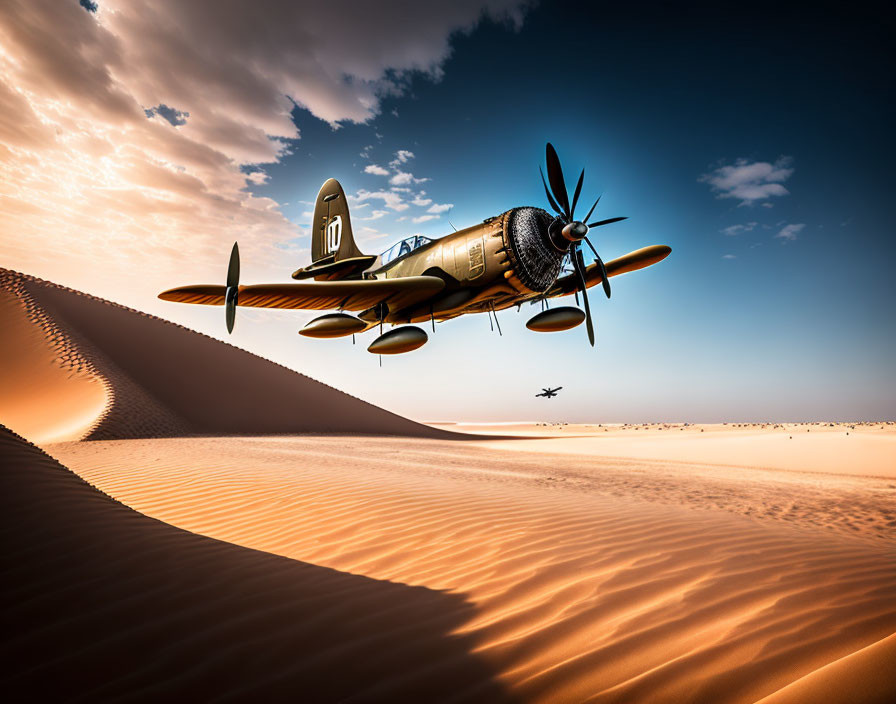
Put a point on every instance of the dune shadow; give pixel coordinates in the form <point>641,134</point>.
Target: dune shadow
<point>104,603</point>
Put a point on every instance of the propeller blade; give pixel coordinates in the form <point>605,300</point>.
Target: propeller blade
<point>230,309</point>
<point>575,197</point>
<point>579,264</point>
<point>604,277</point>
<point>231,296</point>
<point>233,269</point>
<point>606,222</point>
<point>555,176</point>
<point>585,219</point>
<point>232,292</point>
<point>548,194</point>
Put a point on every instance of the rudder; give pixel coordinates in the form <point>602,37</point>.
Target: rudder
<point>331,229</point>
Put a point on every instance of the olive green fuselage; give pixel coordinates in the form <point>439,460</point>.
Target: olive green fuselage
<point>474,263</point>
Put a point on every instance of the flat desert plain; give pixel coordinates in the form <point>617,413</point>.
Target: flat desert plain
<point>155,551</point>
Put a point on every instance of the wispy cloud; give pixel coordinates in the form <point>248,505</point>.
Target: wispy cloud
<point>733,230</point>
<point>375,215</point>
<point>376,170</point>
<point>402,178</point>
<point>790,232</point>
<point>750,182</point>
<point>729,256</point>
<point>440,208</point>
<point>390,199</point>
<point>402,156</point>
<point>424,218</point>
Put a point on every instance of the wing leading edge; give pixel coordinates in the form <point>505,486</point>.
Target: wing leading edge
<point>632,261</point>
<point>321,295</point>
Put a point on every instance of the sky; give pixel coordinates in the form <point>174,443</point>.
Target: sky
<point>139,140</point>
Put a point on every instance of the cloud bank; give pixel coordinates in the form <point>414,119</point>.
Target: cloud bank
<point>127,126</point>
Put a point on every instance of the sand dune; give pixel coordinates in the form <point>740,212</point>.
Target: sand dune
<point>866,675</point>
<point>123,374</point>
<point>589,580</point>
<point>103,604</point>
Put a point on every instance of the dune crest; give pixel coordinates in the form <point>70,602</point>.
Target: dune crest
<point>49,391</point>
<point>158,379</point>
<point>866,676</point>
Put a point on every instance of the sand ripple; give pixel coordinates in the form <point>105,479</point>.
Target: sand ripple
<point>579,593</point>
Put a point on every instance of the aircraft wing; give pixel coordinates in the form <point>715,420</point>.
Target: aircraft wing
<point>632,261</point>
<point>319,295</point>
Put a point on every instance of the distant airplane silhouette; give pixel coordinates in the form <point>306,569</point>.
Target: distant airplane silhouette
<point>548,393</point>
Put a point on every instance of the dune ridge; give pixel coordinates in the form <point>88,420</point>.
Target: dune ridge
<point>104,604</point>
<point>868,671</point>
<point>163,380</point>
<point>49,390</point>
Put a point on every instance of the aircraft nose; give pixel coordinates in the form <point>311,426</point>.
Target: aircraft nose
<point>575,231</point>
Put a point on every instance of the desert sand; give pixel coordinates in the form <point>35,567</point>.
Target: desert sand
<point>157,380</point>
<point>858,448</point>
<point>392,561</point>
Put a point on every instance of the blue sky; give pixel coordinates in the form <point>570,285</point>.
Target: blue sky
<point>787,328</point>
<point>777,301</point>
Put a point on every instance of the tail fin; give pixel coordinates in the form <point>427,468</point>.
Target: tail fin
<point>331,230</point>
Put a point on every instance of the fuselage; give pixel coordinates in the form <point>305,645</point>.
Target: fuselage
<point>482,266</point>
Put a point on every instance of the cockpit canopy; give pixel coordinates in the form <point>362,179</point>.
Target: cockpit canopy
<point>406,246</point>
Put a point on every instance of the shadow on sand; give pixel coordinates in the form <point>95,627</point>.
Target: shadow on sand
<point>105,603</point>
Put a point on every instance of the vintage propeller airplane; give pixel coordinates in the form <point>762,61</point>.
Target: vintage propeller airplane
<point>548,393</point>
<point>504,261</point>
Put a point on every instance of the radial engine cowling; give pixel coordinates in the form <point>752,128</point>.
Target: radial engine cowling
<point>536,262</point>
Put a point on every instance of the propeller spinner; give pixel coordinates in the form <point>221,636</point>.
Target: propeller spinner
<point>566,233</point>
